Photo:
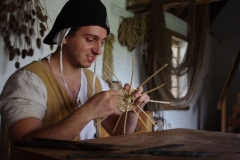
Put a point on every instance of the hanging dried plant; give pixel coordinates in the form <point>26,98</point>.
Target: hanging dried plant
<point>24,29</point>
<point>8,44</point>
<point>42,26</point>
<point>31,31</point>
<point>24,53</point>
<point>33,12</point>
<point>30,52</point>
<point>17,64</point>
<point>42,33</point>
<point>17,51</point>
<point>11,54</point>
<point>38,42</point>
<point>45,18</point>
<point>6,38</point>
<point>21,21</point>
<point>27,40</point>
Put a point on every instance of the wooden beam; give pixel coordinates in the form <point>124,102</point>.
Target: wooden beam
<point>224,115</point>
<point>137,6</point>
<point>222,105</point>
<point>168,4</point>
<point>228,81</point>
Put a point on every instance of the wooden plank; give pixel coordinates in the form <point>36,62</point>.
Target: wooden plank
<point>225,144</point>
<point>137,6</point>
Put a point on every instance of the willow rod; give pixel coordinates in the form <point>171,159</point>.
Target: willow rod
<point>110,81</point>
<point>153,75</point>
<point>155,88</point>
<point>146,114</point>
<point>159,102</point>
<point>113,73</point>
<point>132,71</point>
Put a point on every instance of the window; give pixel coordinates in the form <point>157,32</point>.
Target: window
<point>179,83</point>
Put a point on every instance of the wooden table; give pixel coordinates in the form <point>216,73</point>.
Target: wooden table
<point>227,145</point>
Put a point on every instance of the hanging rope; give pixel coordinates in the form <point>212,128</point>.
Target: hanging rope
<point>108,56</point>
<point>159,52</point>
<point>132,32</point>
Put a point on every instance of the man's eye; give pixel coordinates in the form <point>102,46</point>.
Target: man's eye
<point>90,39</point>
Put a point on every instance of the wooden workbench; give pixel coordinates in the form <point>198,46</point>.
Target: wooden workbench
<point>227,145</point>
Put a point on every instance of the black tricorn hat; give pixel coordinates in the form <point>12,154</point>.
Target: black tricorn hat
<point>77,13</point>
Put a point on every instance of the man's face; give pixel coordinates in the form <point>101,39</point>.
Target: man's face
<point>82,48</point>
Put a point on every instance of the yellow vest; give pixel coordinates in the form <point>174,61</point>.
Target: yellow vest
<point>59,103</point>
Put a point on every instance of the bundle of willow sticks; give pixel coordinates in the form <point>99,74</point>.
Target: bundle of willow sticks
<point>22,23</point>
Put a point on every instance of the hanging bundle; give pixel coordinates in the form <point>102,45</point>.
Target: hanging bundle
<point>18,20</point>
<point>132,32</point>
<point>108,56</point>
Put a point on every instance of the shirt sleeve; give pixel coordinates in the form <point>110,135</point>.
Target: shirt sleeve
<point>24,95</point>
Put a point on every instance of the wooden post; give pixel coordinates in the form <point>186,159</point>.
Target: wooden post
<point>224,114</point>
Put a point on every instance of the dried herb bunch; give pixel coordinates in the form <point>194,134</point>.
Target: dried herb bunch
<point>22,21</point>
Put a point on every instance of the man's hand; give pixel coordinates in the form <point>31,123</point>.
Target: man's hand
<point>132,118</point>
<point>102,104</point>
<point>141,98</point>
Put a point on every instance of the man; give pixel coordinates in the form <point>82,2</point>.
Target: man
<point>57,97</point>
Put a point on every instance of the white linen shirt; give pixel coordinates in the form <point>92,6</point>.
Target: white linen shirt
<point>24,95</point>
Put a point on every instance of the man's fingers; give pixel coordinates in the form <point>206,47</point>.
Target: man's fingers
<point>114,92</point>
<point>138,92</point>
<point>140,97</point>
<point>144,98</point>
<point>126,86</point>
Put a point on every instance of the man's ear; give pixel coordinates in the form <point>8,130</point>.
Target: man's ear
<point>65,40</point>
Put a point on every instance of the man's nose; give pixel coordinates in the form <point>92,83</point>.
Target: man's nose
<point>97,49</point>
